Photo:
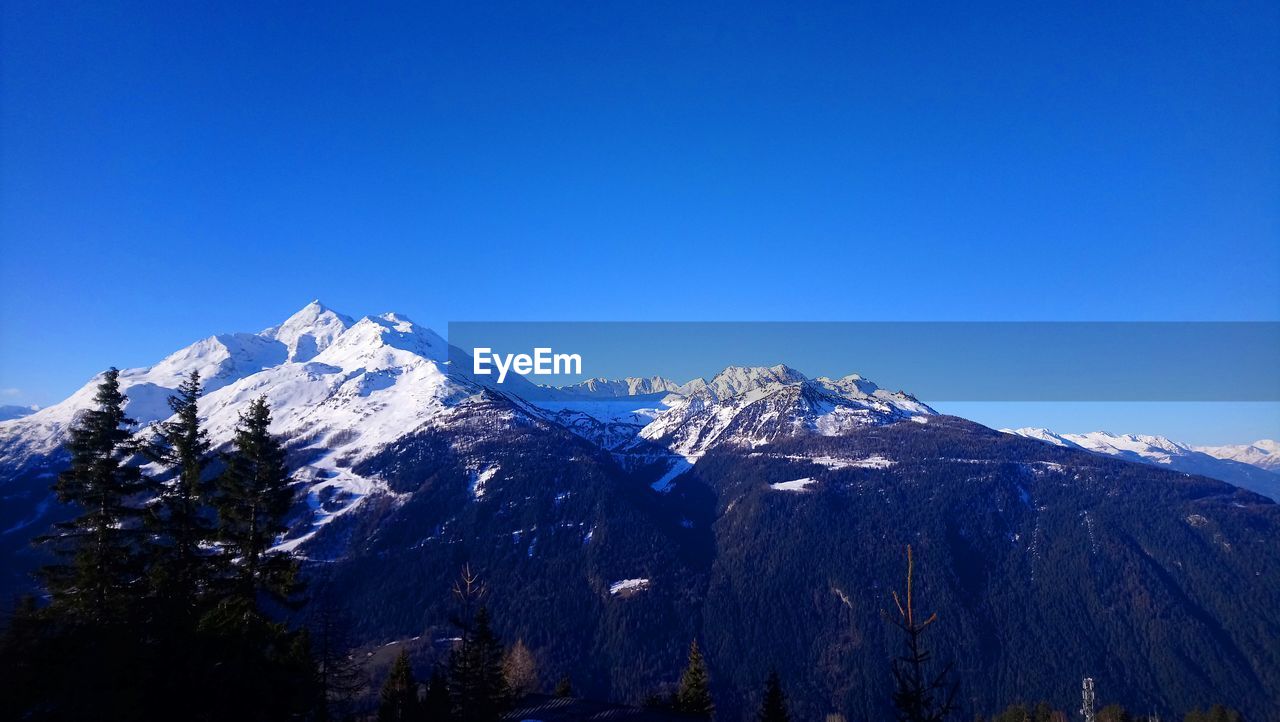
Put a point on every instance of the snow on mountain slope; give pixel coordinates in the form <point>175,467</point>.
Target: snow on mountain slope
<point>221,360</point>
<point>339,392</point>
<point>735,380</point>
<point>309,331</point>
<point>1264,453</point>
<point>616,388</point>
<point>749,406</point>
<point>1161,451</point>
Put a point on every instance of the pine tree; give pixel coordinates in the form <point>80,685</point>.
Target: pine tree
<point>399,700</point>
<point>520,670</point>
<point>918,696</point>
<point>774,706</point>
<point>694,695</point>
<point>253,497</point>
<point>436,706</point>
<point>104,544</point>
<point>476,684</point>
<point>180,563</point>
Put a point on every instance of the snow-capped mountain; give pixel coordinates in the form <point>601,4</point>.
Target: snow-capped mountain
<point>1161,451</point>
<point>405,469</point>
<point>342,390</point>
<point>339,391</point>
<point>1264,453</point>
<point>618,388</point>
<point>745,406</point>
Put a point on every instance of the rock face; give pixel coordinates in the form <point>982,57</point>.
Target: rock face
<point>763,512</point>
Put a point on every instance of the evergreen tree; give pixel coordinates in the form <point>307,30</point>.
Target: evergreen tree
<point>399,700</point>
<point>694,695</point>
<point>476,683</point>
<point>564,688</point>
<point>104,544</point>
<point>253,497</point>
<point>774,706</point>
<point>436,706</point>
<point>180,563</point>
<point>918,696</point>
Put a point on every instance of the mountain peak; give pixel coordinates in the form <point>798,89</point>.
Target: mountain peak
<point>734,380</point>
<point>380,342</point>
<point>309,331</point>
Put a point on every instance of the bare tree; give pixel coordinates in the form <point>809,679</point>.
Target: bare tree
<point>918,696</point>
<point>470,592</point>
<point>520,669</point>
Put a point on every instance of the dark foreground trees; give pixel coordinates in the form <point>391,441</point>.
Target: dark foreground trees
<point>159,605</point>
<point>773,708</point>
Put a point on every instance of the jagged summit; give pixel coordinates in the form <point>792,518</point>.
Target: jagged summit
<point>617,388</point>
<point>735,380</point>
<point>309,331</point>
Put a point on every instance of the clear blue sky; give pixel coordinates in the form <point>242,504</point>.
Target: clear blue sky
<point>168,170</point>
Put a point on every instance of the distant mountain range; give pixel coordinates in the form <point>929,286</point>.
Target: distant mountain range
<point>16,412</point>
<point>760,510</point>
<point>1248,465</point>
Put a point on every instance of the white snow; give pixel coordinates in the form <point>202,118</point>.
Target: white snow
<point>1264,453</point>
<point>794,485</point>
<point>751,406</point>
<point>627,587</point>
<point>875,461</point>
<point>679,466</point>
<point>338,389</point>
<point>478,481</point>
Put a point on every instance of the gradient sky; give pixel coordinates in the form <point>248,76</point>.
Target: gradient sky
<point>170,170</point>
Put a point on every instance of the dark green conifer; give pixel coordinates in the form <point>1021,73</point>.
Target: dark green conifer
<point>694,694</point>
<point>476,683</point>
<point>253,497</point>
<point>774,706</point>
<point>399,700</point>
<point>180,560</point>
<point>100,582</point>
<point>436,706</point>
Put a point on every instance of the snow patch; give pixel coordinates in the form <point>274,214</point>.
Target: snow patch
<point>794,484</point>
<point>478,481</point>
<point>627,587</point>
<point>678,466</point>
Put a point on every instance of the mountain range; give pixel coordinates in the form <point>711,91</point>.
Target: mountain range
<point>1251,466</point>
<point>761,511</point>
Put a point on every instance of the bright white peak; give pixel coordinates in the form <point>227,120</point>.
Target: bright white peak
<point>1264,453</point>
<point>309,331</point>
<point>384,341</point>
<point>735,380</point>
